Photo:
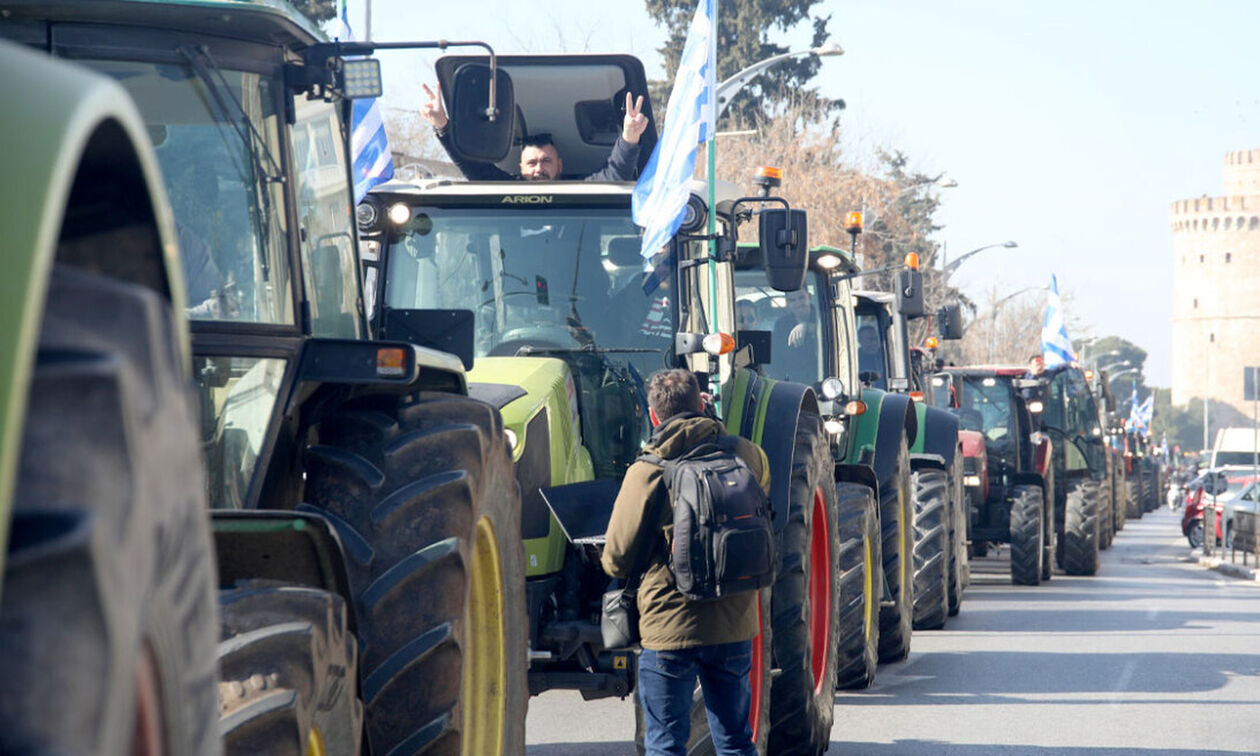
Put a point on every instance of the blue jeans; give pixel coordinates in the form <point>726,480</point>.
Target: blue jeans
<point>666,682</point>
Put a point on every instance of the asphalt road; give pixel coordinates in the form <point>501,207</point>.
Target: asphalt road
<point>1154,656</point>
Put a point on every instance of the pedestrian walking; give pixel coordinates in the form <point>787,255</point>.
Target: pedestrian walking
<point>684,639</point>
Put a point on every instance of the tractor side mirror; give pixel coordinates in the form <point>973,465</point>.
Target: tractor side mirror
<point>949,322</point>
<point>910,293</point>
<point>473,134</point>
<point>784,243</point>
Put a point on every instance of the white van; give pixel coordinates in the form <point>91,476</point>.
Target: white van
<point>1234,447</point>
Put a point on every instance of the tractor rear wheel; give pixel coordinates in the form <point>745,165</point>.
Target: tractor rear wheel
<point>896,518</point>
<point>1080,528</point>
<point>421,491</point>
<point>806,601</point>
<point>931,548</point>
<point>287,667</point>
<point>861,586</point>
<point>1026,525</point>
<point>959,508</point>
<point>1133,497</point>
<point>108,638</point>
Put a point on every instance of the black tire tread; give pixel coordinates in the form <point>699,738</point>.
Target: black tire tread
<point>404,480</point>
<point>930,493</point>
<point>1026,523</point>
<point>800,718</point>
<point>1080,528</point>
<point>895,520</point>
<point>112,550</point>
<point>858,652</point>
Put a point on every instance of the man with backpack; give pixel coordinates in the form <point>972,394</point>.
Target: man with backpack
<point>697,608</point>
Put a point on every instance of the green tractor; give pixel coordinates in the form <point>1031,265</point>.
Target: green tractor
<point>940,516</point>
<point>541,289</point>
<point>107,634</point>
<point>870,432</point>
<point>1113,433</point>
<point>364,509</point>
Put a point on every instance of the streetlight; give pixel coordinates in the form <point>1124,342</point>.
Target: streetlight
<point>1111,379</point>
<point>727,90</point>
<point>1121,363</point>
<point>993,317</point>
<point>950,266</point>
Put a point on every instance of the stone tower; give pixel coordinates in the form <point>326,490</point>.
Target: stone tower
<point>1216,287</point>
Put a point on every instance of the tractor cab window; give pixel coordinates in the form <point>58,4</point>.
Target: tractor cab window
<point>872,350</point>
<point>985,405</point>
<point>555,282</point>
<point>221,175</point>
<point>323,201</point>
<point>794,321</point>
<point>1070,407</point>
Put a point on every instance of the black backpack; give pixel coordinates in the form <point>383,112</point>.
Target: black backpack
<point>723,540</point>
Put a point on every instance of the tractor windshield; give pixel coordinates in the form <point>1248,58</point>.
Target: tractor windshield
<point>793,322</point>
<point>538,281</point>
<point>985,406</point>
<point>223,184</point>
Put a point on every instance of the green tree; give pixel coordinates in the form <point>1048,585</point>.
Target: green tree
<point>1111,352</point>
<point>744,28</point>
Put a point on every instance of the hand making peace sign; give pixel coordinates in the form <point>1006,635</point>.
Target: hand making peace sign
<point>635,122</point>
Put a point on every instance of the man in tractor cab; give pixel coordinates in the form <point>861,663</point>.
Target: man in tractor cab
<point>540,160</point>
<point>681,638</point>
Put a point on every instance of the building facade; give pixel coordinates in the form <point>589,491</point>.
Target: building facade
<point>1216,287</point>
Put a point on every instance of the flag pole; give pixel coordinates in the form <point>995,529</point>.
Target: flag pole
<point>715,381</point>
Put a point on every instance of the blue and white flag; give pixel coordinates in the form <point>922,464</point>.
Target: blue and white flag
<point>1056,347</point>
<point>660,196</point>
<point>1145,413</point>
<point>371,163</point>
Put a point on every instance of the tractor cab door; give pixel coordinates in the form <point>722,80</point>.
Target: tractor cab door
<point>578,100</point>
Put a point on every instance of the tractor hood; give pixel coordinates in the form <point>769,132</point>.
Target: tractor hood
<point>579,100</point>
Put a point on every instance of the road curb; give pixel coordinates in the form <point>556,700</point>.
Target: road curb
<point>1228,568</point>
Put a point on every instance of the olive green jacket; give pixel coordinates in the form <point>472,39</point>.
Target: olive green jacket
<point>642,521</point>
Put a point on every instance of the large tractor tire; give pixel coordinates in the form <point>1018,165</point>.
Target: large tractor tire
<point>1133,497</point>
<point>806,601</point>
<point>421,492</point>
<point>700,741</point>
<point>1106,515</point>
<point>1027,523</point>
<point>288,668</point>
<point>107,643</point>
<point>1150,490</point>
<point>896,518</point>
<point>931,548</point>
<point>1122,501</point>
<point>1080,528</point>
<point>861,586</point>
<point>959,570</point>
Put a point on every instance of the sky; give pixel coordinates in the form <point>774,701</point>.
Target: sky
<point>1070,127</point>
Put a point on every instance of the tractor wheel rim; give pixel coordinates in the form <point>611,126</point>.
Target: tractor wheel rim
<point>755,680</point>
<point>484,678</point>
<point>315,743</point>
<point>871,609</point>
<point>149,736</point>
<point>820,591</point>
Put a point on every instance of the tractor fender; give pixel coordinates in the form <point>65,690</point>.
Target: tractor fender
<point>896,420</point>
<point>928,461</point>
<point>63,120</point>
<point>861,474</point>
<point>289,547</point>
<point>1028,479</point>
<point>753,400</point>
<point>938,433</point>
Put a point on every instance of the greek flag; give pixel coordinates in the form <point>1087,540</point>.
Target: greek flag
<point>369,147</point>
<point>1145,412</point>
<point>660,196</point>
<point>1056,347</point>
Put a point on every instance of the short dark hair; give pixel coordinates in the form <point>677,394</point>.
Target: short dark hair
<point>671,392</point>
<point>537,140</point>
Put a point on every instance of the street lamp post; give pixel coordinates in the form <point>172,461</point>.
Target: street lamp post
<point>952,265</point>
<point>727,90</point>
<point>1111,379</point>
<point>1121,363</point>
